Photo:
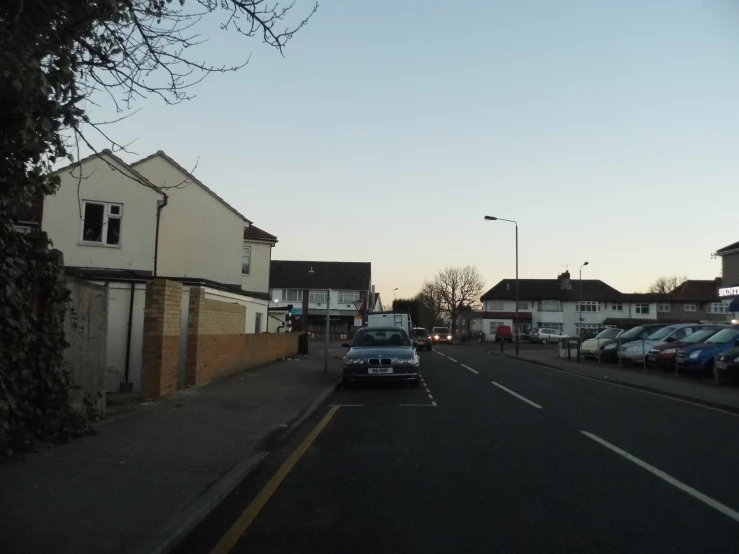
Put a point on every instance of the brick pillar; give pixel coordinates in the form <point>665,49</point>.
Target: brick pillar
<point>192,362</point>
<point>161,348</point>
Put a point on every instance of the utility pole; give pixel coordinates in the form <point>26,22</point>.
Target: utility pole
<point>328,318</point>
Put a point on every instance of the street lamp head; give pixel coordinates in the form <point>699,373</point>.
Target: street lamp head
<point>490,218</point>
<point>586,263</point>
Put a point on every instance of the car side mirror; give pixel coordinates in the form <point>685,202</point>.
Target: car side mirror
<point>346,345</point>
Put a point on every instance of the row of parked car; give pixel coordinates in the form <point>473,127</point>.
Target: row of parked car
<point>684,346</point>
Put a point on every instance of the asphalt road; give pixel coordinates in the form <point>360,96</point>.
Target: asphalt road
<point>494,455</point>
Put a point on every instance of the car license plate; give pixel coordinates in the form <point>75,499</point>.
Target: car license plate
<point>720,365</point>
<point>379,370</point>
<point>651,357</point>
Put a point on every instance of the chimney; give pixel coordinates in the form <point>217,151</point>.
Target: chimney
<point>564,281</point>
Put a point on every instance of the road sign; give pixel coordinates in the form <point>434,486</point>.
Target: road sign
<point>357,321</point>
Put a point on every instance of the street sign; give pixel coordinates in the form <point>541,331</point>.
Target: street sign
<point>297,311</point>
<point>357,321</point>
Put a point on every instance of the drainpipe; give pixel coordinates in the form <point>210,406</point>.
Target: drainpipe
<point>126,385</point>
<point>160,207</point>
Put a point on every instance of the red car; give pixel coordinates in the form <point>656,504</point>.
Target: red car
<point>663,355</point>
<point>503,333</point>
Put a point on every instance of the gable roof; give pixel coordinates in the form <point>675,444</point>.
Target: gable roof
<point>135,175</point>
<point>325,275</point>
<point>697,290</point>
<point>191,177</point>
<point>727,249</point>
<point>252,232</point>
<point>551,289</point>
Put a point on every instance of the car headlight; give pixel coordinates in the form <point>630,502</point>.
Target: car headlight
<point>694,355</point>
<point>407,361</point>
<point>669,351</point>
<point>436,337</point>
<point>448,337</point>
<point>353,361</point>
<point>736,360</point>
<point>610,346</point>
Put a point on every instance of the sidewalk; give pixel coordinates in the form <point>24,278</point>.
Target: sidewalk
<point>149,477</point>
<point>694,389</point>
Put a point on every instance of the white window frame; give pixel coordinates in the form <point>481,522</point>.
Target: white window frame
<point>317,296</point>
<point>720,307</point>
<point>495,306</point>
<point>246,255</point>
<point>523,305</point>
<point>298,295</point>
<point>664,307</point>
<point>620,307</point>
<point>550,305</point>
<point>588,306</point>
<point>107,216</point>
<point>349,296</point>
<point>639,308</point>
<point>690,307</point>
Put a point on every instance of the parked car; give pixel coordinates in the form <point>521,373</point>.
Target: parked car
<point>381,353</point>
<point>591,347</point>
<point>422,339</point>
<point>546,335</point>
<point>728,363</point>
<point>503,333</point>
<point>663,355</point>
<point>442,334</point>
<point>609,349</point>
<point>699,357</point>
<point>635,351</point>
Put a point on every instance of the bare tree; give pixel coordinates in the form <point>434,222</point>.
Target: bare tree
<point>667,284</point>
<point>456,288</point>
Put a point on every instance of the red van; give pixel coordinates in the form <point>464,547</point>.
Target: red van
<point>503,333</point>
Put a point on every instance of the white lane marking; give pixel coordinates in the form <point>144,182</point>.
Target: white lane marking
<point>432,405</point>
<point>452,359</point>
<point>472,370</point>
<point>348,405</point>
<point>440,354</point>
<point>715,504</point>
<point>430,397</point>
<point>509,391</point>
<point>595,379</point>
<point>428,390</point>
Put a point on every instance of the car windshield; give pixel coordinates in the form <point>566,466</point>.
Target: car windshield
<point>724,336</point>
<point>700,335</point>
<point>608,334</point>
<point>633,333</point>
<point>441,330</point>
<point>662,333</point>
<point>382,337</point>
<point>420,333</point>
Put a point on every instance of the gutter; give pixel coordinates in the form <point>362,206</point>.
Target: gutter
<point>160,207</point>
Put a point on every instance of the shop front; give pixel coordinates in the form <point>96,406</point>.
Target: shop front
<point>730,294</point>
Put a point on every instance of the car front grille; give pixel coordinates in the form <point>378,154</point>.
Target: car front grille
<point>681,355</point>
<point>380,361</point>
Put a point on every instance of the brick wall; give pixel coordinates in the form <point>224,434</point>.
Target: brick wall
<point>218,346</point>
<point>160,355</point>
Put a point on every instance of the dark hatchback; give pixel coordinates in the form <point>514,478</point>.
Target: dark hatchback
<point>381,354</point>
<point>421,339</point>
<point>727,363</point>
<point>609,350</point>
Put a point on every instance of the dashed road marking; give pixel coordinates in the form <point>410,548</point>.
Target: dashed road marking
<point>472,370</point>
<point>348,405</point>
<point>715,504</point>
<point>452,359</point>
<point>509,391</point>
<point>439,353</point>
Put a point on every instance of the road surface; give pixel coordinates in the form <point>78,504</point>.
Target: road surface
<point>491,455</point>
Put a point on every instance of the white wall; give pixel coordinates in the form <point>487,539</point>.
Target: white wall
<point>334,298</point>
<point>258,278</point>
<point>62,221</point>
<point>119,295</point>
<point>199,237</point>
<point>253,306</point>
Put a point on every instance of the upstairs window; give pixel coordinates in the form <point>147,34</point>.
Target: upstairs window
<point>664,307</point>
<point>101,223</point>
<point>617,307</point>
<point>589,306</point>
<point>495,305</point>
<point>348,296</point>
<point>292,295</point>
<point>317,297</point>
<point>246,260</point>
<point>642,308</point>
<point>718,308</point>
<point>690,307</point>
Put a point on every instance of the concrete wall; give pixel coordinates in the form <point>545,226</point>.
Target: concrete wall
<point>258,278</point>
<point>253,307</point>
<point>119,303</point>
<point>85,329</point>
<point>199,236</point>
<point>62,221</point>
<point>217,345</point>
<point>161,349</point>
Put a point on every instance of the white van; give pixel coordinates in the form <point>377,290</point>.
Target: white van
<point>391,319</point>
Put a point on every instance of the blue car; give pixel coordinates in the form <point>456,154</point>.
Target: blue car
<point>699,357</point>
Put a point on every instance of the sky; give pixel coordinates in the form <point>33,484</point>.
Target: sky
<point>607,130</point>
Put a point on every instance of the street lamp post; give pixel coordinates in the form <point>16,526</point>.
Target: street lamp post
<point>395,297</point>
<point>579,323</point>
<point>515,321</point>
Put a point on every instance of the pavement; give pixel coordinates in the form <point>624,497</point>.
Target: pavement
<point>702,389</point>
<point>492,454</point>
<point>148,477</point>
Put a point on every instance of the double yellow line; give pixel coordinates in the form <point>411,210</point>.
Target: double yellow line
<point>229,540</point>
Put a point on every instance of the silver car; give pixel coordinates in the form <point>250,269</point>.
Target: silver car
<point>546,335</point>
<point>381,354</point>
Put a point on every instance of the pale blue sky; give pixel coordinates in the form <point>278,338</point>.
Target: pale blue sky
<point>609,130</point>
